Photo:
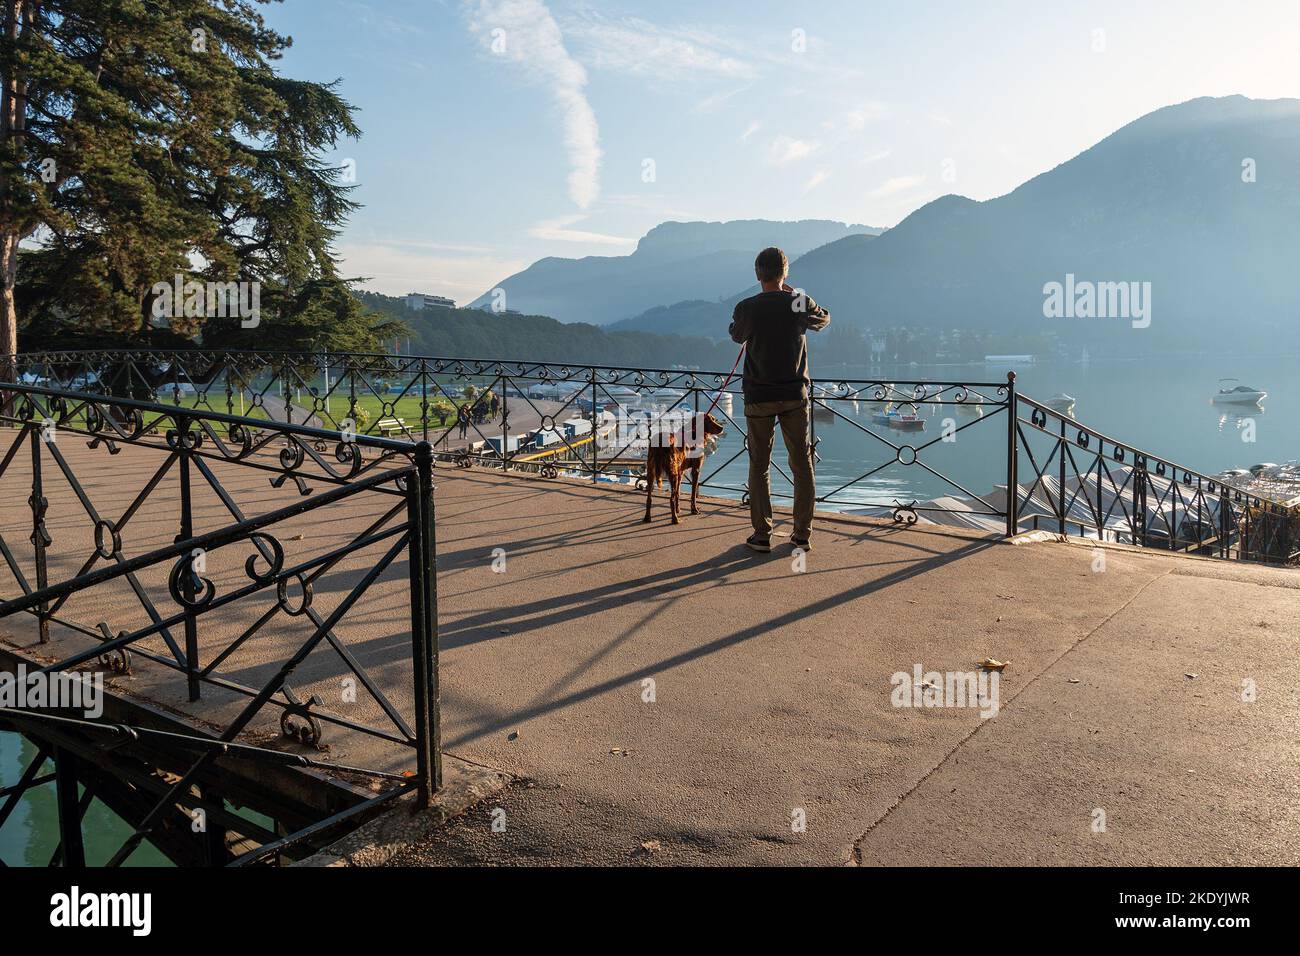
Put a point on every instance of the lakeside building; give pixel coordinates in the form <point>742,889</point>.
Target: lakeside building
<point>420,301</point>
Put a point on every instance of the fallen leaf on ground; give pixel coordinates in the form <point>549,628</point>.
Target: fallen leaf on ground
<point>989,664</point>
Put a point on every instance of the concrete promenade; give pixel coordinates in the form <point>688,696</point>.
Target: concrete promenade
<point>770,698</point>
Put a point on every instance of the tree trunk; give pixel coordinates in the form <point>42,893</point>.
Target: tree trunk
<point>8,307</point>
<point>13,124</point>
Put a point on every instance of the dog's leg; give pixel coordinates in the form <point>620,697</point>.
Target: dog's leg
<point>695,488</point>
<point>675,480</point>
<point>649,488</point>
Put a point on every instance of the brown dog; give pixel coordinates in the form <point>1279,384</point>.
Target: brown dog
<point>673,455</point>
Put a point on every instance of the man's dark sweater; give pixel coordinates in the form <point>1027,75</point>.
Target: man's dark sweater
<point>773,324</point>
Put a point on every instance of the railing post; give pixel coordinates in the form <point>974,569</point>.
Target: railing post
<point>505,418</point>
<point>424,625</point>
<point>188,590</point>
<point>424,399</point>
<point>1013,488</point>
<point>72,847</point>
<point>352,397</point>
<point>595,438</point>
<point>1224,523</point>
<point>1060,481</point>
<point>1140,502</point>
<point>40,534</point>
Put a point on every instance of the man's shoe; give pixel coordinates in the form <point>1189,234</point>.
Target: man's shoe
<point>803,544</point>
<point>759,544</point>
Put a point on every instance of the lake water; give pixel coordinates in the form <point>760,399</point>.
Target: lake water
<point>1162,407</point>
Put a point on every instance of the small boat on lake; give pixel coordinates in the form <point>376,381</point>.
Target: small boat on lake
<point>892,416</point>
<point>1230,394</point>
<point>1060,402</point>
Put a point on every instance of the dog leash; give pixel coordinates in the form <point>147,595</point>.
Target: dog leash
<point>730,376</point>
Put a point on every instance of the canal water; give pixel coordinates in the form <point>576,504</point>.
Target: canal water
<point>31,835</point>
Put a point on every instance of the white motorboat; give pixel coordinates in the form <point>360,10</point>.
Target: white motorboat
<point>1060,402</point>
<point>1238,394</point>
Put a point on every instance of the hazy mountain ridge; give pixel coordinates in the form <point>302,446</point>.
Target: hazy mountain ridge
<point>1161,200</point>
<point>673,261</point>
<point>705,317</point>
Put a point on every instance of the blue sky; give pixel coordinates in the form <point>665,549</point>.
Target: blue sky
<point>500,131</point>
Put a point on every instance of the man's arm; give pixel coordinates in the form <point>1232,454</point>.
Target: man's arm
<point>741,327</point>
<point>815,318</point>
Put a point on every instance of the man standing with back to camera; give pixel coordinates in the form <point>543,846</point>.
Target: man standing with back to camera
<point>772,326</point>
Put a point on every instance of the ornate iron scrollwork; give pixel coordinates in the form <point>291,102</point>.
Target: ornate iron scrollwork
<point>108,540</point>
<point>282,595</point>
<point>275,560</point>
<point>905,513</point>
<point>298,723</point>
<point>116,660</point>
<point>201,588</point>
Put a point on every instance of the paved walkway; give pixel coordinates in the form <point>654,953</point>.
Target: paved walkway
<point>771,693</point>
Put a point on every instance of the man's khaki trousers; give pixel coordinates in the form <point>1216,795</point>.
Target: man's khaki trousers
<point>761,418</point>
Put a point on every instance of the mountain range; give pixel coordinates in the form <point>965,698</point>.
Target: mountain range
<point>673,261</point>
<point>1201,200</point>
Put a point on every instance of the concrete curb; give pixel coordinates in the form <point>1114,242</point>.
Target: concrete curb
<point>376,842</point>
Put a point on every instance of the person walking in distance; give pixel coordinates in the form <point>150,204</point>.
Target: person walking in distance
<point>777,386</point>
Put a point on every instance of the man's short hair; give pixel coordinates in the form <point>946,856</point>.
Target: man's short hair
<point>771,264</point>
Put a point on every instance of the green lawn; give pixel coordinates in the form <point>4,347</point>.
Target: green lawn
<point>371,407</point>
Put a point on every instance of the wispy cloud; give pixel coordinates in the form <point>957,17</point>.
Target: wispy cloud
<point>711,104</point>
<point>856,118</point>
<point>877,156</point>
<point>557,230</point>
<point>816,179</point>
<point>525,33</point>
<point>750,130</point>
<point>636,46</point>
<point>896,185</point>
<point>786,149</point>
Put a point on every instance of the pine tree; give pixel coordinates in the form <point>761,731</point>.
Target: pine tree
<point>140,139</point>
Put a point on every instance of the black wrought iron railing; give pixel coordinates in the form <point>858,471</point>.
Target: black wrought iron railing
<point>584,420</point>
<point>197,556</point>
<point>971,453</point>
<point>1072,479</point>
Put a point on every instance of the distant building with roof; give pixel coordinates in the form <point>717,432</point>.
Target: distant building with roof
<point>421,300</point>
